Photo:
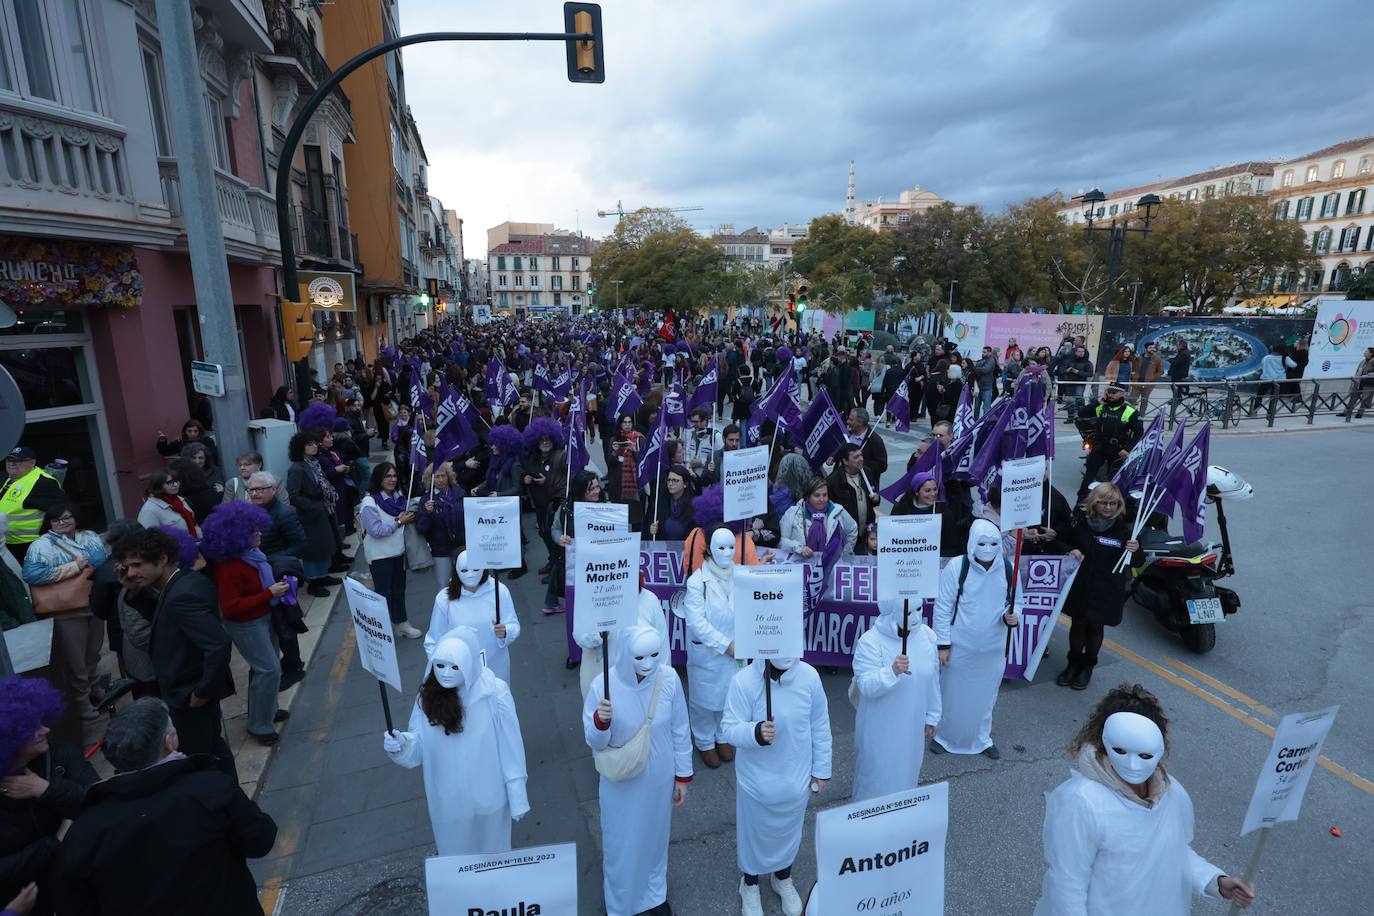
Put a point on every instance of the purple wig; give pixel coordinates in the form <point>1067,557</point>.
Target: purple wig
<point>229,528</point>
<point>785,354</point>
<point>187,549</point>
<point>540,427</point>
<point>918,479</point>
<point>25,704</point>
<point>341,425</point>
<point>708,509</point>
<point>669,349</point>
<point>316,416</point>
<point>506,438</point>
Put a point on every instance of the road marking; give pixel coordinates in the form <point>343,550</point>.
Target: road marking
<point>1217,685</point>
<point>272,892</point>
<point>1356,780</point>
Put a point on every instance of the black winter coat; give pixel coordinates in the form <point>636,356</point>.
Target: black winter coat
<point>172,838</point>
<point>190,647</point>
<point>1098,595</point>
<point>28,826</point>
<point>1061,515</point>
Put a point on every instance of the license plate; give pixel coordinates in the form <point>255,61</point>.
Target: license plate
<point>1205,610</point>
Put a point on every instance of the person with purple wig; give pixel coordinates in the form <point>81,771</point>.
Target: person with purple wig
<point>247,591</point>
<point>42,786</point>
<point>506,473</point>
<point>545,478</point>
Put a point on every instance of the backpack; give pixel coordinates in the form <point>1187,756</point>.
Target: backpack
<point>963,576</point>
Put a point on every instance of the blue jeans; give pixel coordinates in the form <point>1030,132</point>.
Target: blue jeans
<point>389,581</point>
<point>315,569</point>
<point>984,401</point>
<point>255,643</point>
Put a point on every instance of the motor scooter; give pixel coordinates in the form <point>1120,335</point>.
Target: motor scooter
<point>1177,580</point>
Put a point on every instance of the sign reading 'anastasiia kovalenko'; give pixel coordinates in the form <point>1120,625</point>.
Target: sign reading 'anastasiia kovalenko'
<point>57,272</point>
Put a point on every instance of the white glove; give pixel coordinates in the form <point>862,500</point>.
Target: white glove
<point>588,640</point>
<point>394,742</point>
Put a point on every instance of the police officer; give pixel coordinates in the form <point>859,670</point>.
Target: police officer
<point>26,494</point>
<point>1117,428</point>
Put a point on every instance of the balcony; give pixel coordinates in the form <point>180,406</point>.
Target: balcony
<point>409,275</point>
<point>432,246</point>
<point>312,235</point>
<point>291,39</point>
<point>421,190</point>
<point>247,215</point>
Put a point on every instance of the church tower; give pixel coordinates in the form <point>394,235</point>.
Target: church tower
<point>850,210</point>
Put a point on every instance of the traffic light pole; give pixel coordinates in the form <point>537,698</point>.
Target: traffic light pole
<point>290,282</point>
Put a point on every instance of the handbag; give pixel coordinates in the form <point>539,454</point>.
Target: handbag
<point>71,594</point>
<point>621,764</point>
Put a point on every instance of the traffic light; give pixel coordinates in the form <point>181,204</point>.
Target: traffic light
<point>297,329</point>
<point>586,60</point>
<point>801,298</point>
<point>791,302</point>
<point>433,286</point>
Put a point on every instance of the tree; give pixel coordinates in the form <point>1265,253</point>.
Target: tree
<point>944,245</point>
<point>1020,247</point>
<point>844,265</point>
<point>661,262</point>
<point>1361,285</point>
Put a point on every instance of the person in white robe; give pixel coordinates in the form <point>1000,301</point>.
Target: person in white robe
<point>636,813</point>
<point>709,606</point>
<point>782,761</point>
<point>471,601</point>
<point>464,732</point>
<point>650,615</point>
<point>1118,833</point>
<point>971,622</point>
<point>898,702</point>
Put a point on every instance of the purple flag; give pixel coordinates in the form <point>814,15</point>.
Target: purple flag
<point>675,408</point>
<point>830,555</point>
<point>1186,484</point>
<point>963,414</point>
<point>782,404</point>
<point>1144,457</point>
<point>541,379</point>
<point>900,405</point>
<point>707,391</point>
<point>651,459</point>
<point>577,431</point>
<point>493,383</point>
<point>822,432</point>
<point>561,384</point>
<point>624,396</point>
<point>453,433</point>
<point>419,457</point>
<point>958,461</point>
<point>929,462</point>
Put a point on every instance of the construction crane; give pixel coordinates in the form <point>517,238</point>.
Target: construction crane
<point>619,210</point>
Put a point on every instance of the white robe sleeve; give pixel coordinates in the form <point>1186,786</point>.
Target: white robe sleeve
<point>1203,876</point>
<point>695,604</point>
<point>944,601</point>
<point>597,739</point>
<point>871,675</point>
<point>510,747</point>
<point>409,754</point>
<point>682,733</point>
<point>1070,848</point>
<point>508,617</point>
<point>735,722</point>
<point>934,705</point>
<point>438,622</point>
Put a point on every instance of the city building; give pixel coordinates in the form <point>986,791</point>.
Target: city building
<point>441,258</point>
<point>535,269</point>
<point>93,247</point>
<point>883,215</point>
<point>750,246</point>
<point>1331,192</point>
<point>478,288</point>
<point>1243,178</point>
<point>781,241</point>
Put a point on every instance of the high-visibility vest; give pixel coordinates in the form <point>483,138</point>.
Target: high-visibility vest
<point>24,523</point>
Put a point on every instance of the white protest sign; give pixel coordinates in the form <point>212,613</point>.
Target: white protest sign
<point>1288,768</point>
<point>1022,492</point>
<point>537,881</point>
<point>599,520</point>
<point>768,611</point>
<point>607,581</point>
<point>884,855</point>
<point>908,557</point>
<point>744,479</point>
<point>372,626</point>
<point>492,527</point>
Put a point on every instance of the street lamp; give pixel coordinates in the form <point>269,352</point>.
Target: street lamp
<point>951,294</point>
<point>1116,234</point>
<point>616,284</point>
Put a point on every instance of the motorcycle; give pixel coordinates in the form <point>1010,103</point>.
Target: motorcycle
<point>1177,580</point>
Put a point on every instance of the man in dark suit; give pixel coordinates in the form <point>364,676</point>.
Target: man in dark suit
<point>850,487</point>
<point>839,381</point>
<point>287,535</point>
<point>190,647</point>
<point>865,436</point>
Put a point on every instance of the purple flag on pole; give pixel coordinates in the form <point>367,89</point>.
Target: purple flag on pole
<point>1144,457</point>
<point>453,433</point>
<point>577,431</point>
<point>675,408</point>
<point>958,461</point>
<point>541,379</point>
<point>707,391</point>
<point>830,555</point>
<point>1187,483</point>
<point>419,457</point>
<point>560,385</point>
<point>782,404</point>
<point>652,457</point>
<point>963,414</point>
<point>822,432</point>
<point>624,396</point>
<point>929,462</point>
<point>900,405</point>
<point>493,385</point>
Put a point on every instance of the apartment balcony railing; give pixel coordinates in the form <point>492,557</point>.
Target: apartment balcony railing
<point>409,275</point>
<point>291,39</point>
<point>421,190</point>
<point>313,238</point>
<point>247,214</point>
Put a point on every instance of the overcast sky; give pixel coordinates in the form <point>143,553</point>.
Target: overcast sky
<point>753,109</point>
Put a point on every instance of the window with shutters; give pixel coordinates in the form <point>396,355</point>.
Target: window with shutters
<point>501,280</point>
<point>556,260</point>
<point>517,263</point>
<point>519,278</point>
<point>1281,211</point>
<point>534,263</point>
<point>1330,204</point>
<point>1350,238</point>
<point>1209,192</point>
<point>501,262</point>
<point>1355,203</point>
<point>1321,242</point>
<point>1305,208</point>
<point>1369,240</point>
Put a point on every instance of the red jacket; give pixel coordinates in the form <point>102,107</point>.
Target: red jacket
<point>241,595</point>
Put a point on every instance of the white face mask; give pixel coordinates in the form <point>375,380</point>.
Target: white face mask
<point>723,548</point>
<point>447,673</point>
<point>782,664</point>
<point>644,652</point>
<point>468,575</point>
<point>1134,746</point>
<point>985,548</point>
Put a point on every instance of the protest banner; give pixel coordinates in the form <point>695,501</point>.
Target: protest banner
<point>593,521</point>
<point>608,583</point>
<point>492,527</point>
<point>1022,486</point>
<point>744,478</point>
<point>768,611</point>
<point>1288,768</point>
<point>376,642</point>
<point>536,881</point>
<point>883,855</point>
<point>908,557</point>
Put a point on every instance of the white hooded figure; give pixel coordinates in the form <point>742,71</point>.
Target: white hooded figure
<point>650,615</point>
<point>709,606</point>
<point>474,606</point>
<point>1118,832</point>
<point>777,764</point>
<point>972,641</point>
<point>898,704</point>
<point>636,813</point>
<point>474,767</point>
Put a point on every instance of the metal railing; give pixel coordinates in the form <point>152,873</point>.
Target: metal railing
<point>1232,403</point>
<point>291,39</point>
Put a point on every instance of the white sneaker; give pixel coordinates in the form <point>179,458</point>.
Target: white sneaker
<point>405,629</point>
<point>749,902</point>
<point>791,900</point>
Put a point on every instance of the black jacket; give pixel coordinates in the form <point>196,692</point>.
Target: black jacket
<point>1098,595</point>
<point>1118,426</point>
<point>286,534</point>
<point>844,496</point>
<point>1061,514</point>
<point>172,838</point>
<point>875,457</point>
<point>28,826</point>
<point>190,648</point>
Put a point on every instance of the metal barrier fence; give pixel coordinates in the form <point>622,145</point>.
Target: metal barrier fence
<point>1234,402</point>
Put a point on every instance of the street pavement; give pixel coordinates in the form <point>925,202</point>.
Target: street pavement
<point>354,828</point>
